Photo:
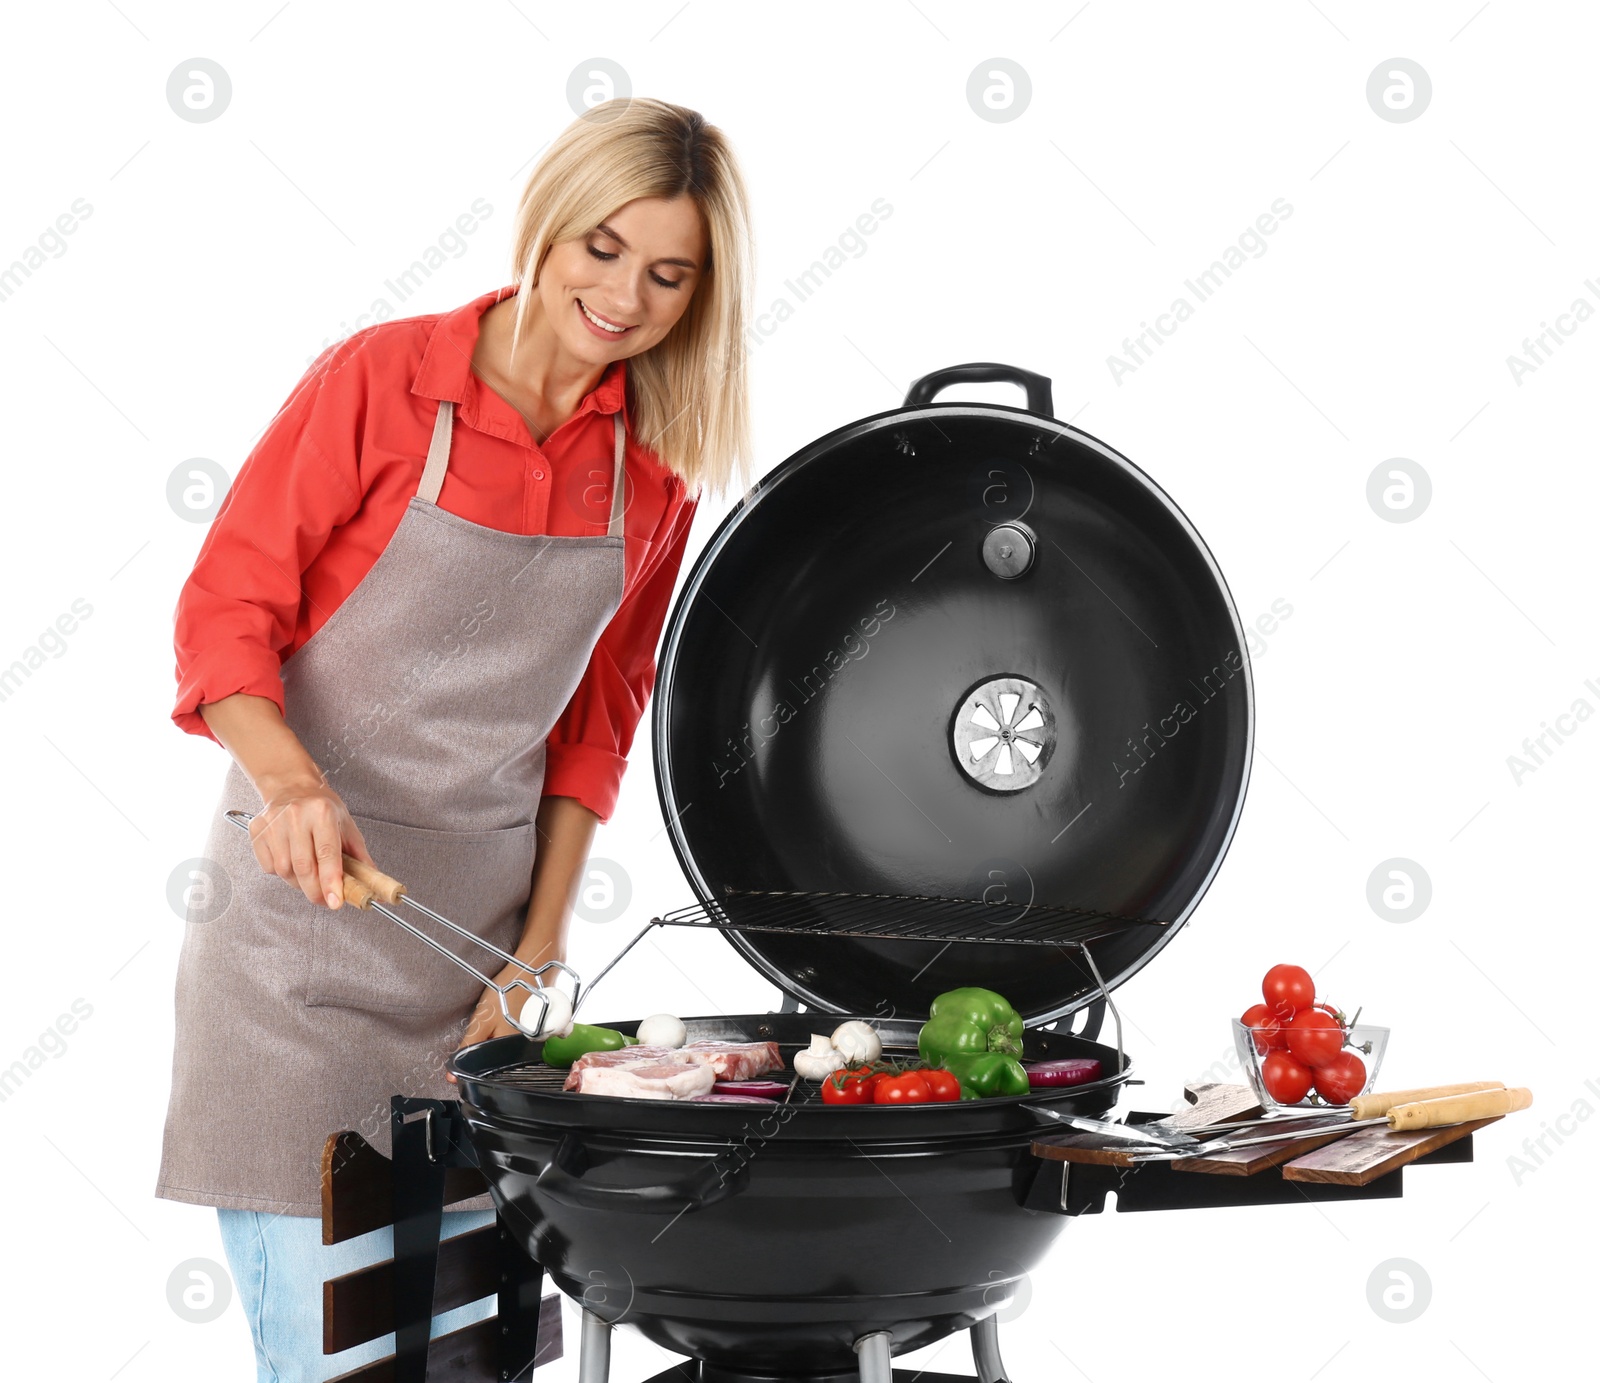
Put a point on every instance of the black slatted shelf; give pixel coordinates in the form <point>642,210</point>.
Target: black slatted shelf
<point>903,917</point>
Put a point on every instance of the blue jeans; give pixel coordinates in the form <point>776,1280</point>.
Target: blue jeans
<point>279,1264</point>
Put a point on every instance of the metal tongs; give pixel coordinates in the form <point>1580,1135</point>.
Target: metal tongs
<point>369,888</point>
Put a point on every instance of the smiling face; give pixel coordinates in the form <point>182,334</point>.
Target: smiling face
<point>618,290</point>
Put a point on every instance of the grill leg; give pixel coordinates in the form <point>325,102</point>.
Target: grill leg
<point>876,1363</point>
<point>594,1352</point>
<point>986,1351</point>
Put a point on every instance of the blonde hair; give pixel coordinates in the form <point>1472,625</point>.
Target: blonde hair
<point>687,394</point>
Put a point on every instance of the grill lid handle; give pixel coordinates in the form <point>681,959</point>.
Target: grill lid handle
<point>984,372</point>
<point>563,1180</point>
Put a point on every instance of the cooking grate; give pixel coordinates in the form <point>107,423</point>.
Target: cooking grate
<point>903,917</point>
<point>529,1075</point>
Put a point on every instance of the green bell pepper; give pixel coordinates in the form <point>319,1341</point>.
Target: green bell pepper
<point>976,1035</point>
<point>987,1073</point>
<point>563,1051</point>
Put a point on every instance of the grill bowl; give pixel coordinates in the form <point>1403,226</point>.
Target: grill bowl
<point>759,1238</point>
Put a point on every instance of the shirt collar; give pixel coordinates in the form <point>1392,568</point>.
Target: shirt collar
<point>446,373</point>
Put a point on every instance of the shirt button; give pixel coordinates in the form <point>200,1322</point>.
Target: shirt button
<point>538,475</point>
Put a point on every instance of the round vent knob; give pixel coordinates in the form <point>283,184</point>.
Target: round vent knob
<point>1008,550</point>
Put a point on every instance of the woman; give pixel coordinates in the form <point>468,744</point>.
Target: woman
<point>423,624</point>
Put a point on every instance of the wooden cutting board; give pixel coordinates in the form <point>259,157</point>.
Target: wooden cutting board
<point>1212,1104</point>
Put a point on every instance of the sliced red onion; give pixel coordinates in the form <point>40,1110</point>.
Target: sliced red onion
<point>1067,1070</point>
<point>767,1089</point>
<point>722,1097</point>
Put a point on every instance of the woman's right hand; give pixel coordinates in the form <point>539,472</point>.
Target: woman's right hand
<point>300,834</point>
<point>303,826</point>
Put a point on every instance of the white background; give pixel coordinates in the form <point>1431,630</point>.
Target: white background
<point>220,257</point>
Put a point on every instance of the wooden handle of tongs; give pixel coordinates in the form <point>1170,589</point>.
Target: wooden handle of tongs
<point>1371,1106</point>
<point>1458,1109</point>
<point>363,882</point>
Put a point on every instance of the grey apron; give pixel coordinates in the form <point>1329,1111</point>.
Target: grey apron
<point>426,698</point>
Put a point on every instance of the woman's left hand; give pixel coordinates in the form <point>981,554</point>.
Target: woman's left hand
<point>566,828</point>
<point>487,1021</point>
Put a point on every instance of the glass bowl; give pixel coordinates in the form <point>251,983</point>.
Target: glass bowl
<point>1365,1039</point>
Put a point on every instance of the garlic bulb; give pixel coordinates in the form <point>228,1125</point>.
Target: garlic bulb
<point>820,1060</point>
<point>662,1030</point>
<point>858,1042</point>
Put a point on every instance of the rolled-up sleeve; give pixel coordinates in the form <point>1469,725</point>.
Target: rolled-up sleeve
<point>240,605</point>
<point>587,751</point>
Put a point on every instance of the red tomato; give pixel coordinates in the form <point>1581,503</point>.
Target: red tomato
<point>942,1085</point>
<point>1287,989</point>
<point>1314,1037</point>
<point>1287,1080</point>
<point>909,1088</point>
<point>849,1087</point>
<point>1342,1079</point>
<point>1265,1030</point>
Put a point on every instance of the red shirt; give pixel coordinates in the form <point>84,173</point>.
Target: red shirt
<point>318,498</point>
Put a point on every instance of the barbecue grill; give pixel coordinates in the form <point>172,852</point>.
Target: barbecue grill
<point>956,696</point>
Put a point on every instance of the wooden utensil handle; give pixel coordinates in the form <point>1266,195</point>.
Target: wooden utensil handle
<point>1458,1109</point>
<point>378,884</point>
<point>1371,1106</point>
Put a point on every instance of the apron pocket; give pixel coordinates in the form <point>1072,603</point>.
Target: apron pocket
<point>480,880</point>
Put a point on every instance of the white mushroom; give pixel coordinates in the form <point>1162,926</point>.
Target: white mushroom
<point>557,1020</point>
<point>662,1030</point>
<point>858,1042</point>
<point>820,1060</point>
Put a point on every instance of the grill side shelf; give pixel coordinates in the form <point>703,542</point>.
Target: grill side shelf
<point>1082,1188</point>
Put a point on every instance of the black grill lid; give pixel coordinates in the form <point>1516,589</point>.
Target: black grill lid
<point>953,671</point>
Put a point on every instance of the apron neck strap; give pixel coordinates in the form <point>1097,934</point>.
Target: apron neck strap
<point>618,479</point>
<point>438,454</point>
<point>439,460</point>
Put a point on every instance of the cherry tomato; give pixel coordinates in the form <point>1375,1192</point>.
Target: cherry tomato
<point>849,1087</point>
<point>909,1088</point>
<point>1287,1080</point>
<point>942,1085</point>
<point>1342,1079</point>
<point>1314,1037</point>
<point>1265,1030</point>
<point>1287,989</point>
